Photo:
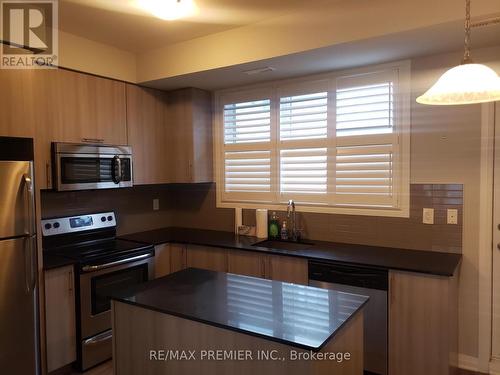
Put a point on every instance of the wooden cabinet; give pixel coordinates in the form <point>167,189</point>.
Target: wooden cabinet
<point>247,263</point>
<point>75,107</point>
<point>60,317</point>
<point>190,136</point>
<point>169,258</point>
<point>209,258</point>
<point>422,324</point>
<point>147,134</point>
<point>288,269</point>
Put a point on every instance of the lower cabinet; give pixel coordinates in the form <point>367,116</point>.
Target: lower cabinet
<point>423,324</point>
<point>288,269</point>
<point>173,257</point>
<point>60,317</point>
<point>209,258</point>
<point>169,258</point>
<point>247,263</point>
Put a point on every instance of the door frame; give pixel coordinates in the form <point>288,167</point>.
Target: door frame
<point>486,246</point>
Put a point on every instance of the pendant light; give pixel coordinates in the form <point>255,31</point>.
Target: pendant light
<point>467,83</point>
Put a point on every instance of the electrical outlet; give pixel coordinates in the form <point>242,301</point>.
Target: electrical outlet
<point>428,216</point>
<point>452,216</point>
<point>156,204</point>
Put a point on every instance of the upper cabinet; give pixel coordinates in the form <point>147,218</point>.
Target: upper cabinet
<point>190,136</point>
<point>76,107</point>
<point>147,134</point>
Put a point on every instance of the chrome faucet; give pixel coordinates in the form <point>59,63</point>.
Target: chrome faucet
<point>292,217</point>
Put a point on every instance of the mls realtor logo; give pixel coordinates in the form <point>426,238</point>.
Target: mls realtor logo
<point>28,34</point>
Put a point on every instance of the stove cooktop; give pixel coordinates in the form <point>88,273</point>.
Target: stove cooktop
<point>102,251</point>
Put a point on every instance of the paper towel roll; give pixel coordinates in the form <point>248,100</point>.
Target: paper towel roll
<point>238,219</point>
<point>261,220</point>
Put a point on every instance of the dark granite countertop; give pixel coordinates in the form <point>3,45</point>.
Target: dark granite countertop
<point>295,315</point>
<point>51,261</point>
<point>430,262</point>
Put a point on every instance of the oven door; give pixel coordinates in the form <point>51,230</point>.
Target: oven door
<point>97,285</point>
<point>92,171</point>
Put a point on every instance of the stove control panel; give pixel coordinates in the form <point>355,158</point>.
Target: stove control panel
<point>70,224</point>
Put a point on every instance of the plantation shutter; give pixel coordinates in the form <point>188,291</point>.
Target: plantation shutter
<point>303,142</point>
<point>367,150</point>
<point>247,148</point>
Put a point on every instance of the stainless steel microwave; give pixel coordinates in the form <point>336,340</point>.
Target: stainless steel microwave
<point>85,166</point>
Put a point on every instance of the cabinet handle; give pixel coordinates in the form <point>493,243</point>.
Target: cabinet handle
<point>92,140</point>
<point>47,174</point>
<point>190,171</point>
<point>392,290</point>
<point>70,281</point>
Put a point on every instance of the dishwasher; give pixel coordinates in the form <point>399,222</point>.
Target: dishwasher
<point>366,281</point>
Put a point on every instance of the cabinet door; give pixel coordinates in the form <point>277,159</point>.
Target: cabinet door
<point>162,260</point>
<point>422,324</point>
<point>209,258</point>
<point>190,136</point>
<point>247,263</point>
<point>288,269</point>
<point>147,134</point>
<point>178,257</point>
<point>75,107</point>
<point>18,103</point>
<point>60,317</point>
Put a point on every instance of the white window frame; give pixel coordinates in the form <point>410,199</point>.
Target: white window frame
<point>273,90</point>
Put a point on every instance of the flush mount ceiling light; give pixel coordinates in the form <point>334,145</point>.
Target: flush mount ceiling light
<point>467,83</point>
<point>169,9</point>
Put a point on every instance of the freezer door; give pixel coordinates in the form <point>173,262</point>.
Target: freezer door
<point>18,307</point>
<point>16,199</point>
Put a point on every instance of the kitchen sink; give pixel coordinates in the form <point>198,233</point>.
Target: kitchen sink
<point>284,245</point>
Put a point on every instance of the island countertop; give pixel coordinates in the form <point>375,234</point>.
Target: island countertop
<point>422,261</point>
<point>294,315</point>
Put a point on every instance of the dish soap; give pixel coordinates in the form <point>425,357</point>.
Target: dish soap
<point>274,227</point>
<point>284,231</point>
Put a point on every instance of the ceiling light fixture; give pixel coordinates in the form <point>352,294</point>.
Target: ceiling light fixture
<point>169,9</point>
<point>467,83</point>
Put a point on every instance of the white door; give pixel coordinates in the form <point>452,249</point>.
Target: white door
<point>495,349</point>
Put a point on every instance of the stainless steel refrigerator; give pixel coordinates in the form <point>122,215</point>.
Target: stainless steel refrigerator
<point>19,333</point>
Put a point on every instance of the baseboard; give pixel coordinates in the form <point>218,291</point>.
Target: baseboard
<point>467,362</point>
<point>495,367</point>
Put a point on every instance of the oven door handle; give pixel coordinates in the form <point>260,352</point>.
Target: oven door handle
<point>99,338</point>
<point>111,264</point>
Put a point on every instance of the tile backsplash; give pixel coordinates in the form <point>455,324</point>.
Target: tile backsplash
<point>194,206</point>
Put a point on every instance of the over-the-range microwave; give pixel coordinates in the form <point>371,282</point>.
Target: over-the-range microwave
<point>87,166</point>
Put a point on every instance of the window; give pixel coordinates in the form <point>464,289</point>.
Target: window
<point>337,143</point>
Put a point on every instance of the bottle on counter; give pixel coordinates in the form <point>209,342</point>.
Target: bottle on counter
<point>284,231</point>
<point>274,227</point>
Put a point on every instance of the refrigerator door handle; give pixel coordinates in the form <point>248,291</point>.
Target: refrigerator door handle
<point>30,264</point>
<point>28,185</point>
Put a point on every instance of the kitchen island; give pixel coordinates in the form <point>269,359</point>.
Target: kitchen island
<point>203,322</point>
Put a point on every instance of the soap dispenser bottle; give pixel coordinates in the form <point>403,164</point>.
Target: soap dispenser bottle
<point>284,231</point>
<point>274,227</point>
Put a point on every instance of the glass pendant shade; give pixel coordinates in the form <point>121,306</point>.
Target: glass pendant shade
<point>464,84</point>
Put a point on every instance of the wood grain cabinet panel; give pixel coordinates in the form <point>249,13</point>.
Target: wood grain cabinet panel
<point>75,107</point>
<point>422,324</point>
<point>247,263</point>
<point>288,269</point>
<point>190,136</point>
<point>60,317</point>
<point>147,134</point>
<point>208,258</point>
<point>169,258</point>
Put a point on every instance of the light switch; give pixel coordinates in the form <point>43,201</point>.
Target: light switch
<point>156,204</point>
<point>452,216</point>
<point>428,216</point>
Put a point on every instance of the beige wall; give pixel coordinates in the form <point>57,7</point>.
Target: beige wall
<point>333,23</point>
<point>88,56</point>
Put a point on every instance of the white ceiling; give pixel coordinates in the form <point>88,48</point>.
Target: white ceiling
<point>434,40</point>
<point>121,23</point>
